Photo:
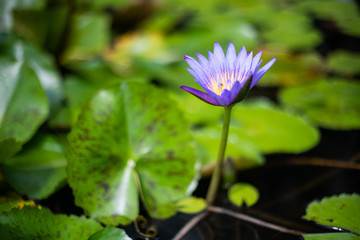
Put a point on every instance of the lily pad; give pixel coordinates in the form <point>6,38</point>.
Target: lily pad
<point>41,165</point>
<point>343,62</point>
<point>272,129</point>
<point>243,193</point>
<point>23,106</point>
<point>331,236</point>
<point>332,103</point>
<point>33,223</point>
<point>110,233</point>
<point>191,205</point>
<point>291,30</point>
<point>130,140</point>
<point>341,211</point>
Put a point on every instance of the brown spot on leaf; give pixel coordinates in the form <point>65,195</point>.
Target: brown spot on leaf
<point>105,186</point>
<point>170,155</point>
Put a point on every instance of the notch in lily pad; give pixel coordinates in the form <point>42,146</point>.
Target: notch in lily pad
<point>241,194</point>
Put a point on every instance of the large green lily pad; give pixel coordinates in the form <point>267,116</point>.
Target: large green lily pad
<point>332,103</point>
<point>130,140</point>
<point>272,129</point>
<point>33,223</point>
<point>331,236</point>
<point>341,211</point>
<point>41,165</point>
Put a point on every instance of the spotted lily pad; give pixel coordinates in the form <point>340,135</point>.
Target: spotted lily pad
<point>332,103</point>
<point>130,141</point>
<point>33,223</point>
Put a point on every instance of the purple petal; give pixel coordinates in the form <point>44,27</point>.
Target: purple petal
<point>231,56</point>
<point>218,52</point>
<point>193,64</point>
<point>255,61</point>
<point>201,95</point>
<point>225,98</point>
<point>262,71</point>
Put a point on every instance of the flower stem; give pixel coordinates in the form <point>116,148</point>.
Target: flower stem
<point>215,179</point>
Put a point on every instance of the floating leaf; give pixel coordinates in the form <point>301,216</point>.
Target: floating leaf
<point>33,223</point>
<point>331,236</point>
<point>334,103</point>
<point>272,129</point>
<point>341,211</point>
<point>191,205</point>
<point>281,32</point>
<point>128,139</point>
<point>110,233</point>
<point>243,193</point>
<point>41,166</point>
<point>344,62</point>
<point>23,106</point>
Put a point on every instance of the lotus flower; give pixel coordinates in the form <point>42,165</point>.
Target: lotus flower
<point>225,79</point>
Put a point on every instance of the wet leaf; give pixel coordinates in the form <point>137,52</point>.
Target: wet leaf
<point>33,223</point>
<point>271,129</point>
<point>332,103</point>
<point>331,236</point>
<point>342,211</point>
<point>191,205</point>
<point>41,165</point>
<point>243,193</point>
<point>110,233</point>
<point>130,140</point>
<point>23,106</point>
<point>41,63</point>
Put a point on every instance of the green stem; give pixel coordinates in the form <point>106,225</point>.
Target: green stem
<point>215,179</point>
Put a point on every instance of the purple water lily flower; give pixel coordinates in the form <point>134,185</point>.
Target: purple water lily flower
<point>225,79</point>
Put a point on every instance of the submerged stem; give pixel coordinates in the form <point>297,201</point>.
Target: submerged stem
<point>215,179</point>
